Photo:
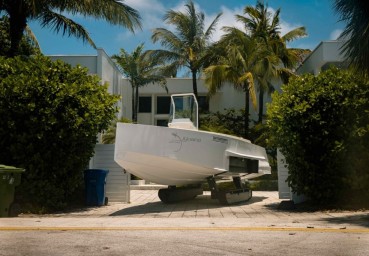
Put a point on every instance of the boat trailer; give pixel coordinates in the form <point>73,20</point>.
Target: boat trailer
<point>172,194</point>
<point>225,197</point>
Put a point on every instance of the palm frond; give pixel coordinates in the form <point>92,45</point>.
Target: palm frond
<point>32,37</point>
<point>215,76</point>
<point>294,34</point>
<point>356,33</point>
<point>112,11</point>
<point>59,23</point>
<point>189,44</point>
<point>167,39</point>
<point>212,26</point>
<point>248,79</point>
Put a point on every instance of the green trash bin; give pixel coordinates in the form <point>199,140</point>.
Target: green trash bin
<point>10,177</point>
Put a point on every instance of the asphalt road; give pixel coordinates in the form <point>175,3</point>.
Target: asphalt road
<point>182,236</point>
<point>197,227</point>
<point>148,241</point>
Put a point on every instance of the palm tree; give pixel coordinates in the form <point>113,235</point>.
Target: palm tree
<point>27,46</point>
<point>187,46</point>
<point>356,14</point>
<point>141,69</point>
<point>265,28</point>
<point>50,14</point>
<point>236,62</point>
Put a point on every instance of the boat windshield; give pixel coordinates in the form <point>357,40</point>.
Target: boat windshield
<point>184,108</point>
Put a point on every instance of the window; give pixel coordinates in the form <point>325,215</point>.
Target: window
<point>144,104</point>
<point>203,104</point>
<point>162,105</point>
<point>162,122</point>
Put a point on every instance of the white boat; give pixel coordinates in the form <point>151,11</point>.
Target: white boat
<point>181,154</point>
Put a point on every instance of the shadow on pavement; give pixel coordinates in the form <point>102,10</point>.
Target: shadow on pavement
<point>199,203</point>
<point>357,219</point>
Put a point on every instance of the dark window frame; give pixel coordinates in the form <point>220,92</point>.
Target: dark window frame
<point>145,107</point>
<point>162,108</point>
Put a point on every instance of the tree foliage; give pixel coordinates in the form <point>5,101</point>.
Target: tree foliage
<point>230,122</point>
<point>276,60</point>
<point>109,136</point>
<point>51,114</point>
<point>52,14</point>
<point>28,45</point>
<point>356,33</point>
<point>236,58</point>
<point>252,56</point>
<point>187,46</point>
<point>141,69</point>
<point>321,125</point>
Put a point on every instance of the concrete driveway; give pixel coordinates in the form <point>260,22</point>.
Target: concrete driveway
<point>262,208</point>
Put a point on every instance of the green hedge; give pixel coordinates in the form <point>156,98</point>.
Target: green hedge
<point>51,114</point>
<point>321,125</point>
<point>255,185</point>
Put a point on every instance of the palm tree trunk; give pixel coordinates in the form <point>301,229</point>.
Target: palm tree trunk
<point>261,105</point>
<point>18,23</point>
<point>247,110</point>
<point>194,83</point>
<point>136,105</point>
<point>133,101</point>
<point>194,87</point>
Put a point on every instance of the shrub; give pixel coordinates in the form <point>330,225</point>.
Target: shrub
<point>231,122</point>
<point>264,185</point>
<point>109,136</point>
<point>321,125</point>
<point>51,114</point>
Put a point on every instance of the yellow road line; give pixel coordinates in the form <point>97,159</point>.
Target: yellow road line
<point>285,229</point>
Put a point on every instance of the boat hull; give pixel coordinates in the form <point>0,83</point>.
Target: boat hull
<point>174,157</point>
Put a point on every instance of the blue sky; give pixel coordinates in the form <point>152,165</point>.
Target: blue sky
<point>317,16</point>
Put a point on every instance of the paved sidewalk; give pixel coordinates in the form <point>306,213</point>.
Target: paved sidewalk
<point>260,209</point>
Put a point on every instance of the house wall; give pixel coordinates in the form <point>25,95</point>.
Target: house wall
<point>101,65</point>
<point>226,98</point>
<point>326,52</point>
<point>117,187</point>
<point>87,61</point>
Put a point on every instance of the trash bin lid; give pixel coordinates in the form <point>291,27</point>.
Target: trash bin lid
<point>5,168</point>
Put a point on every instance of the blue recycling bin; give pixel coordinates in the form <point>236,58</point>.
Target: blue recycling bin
<point>95,182</point>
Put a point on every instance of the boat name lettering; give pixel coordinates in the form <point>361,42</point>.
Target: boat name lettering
<point>180,140</point>
<point>188,139</point>
<point>220,139</point>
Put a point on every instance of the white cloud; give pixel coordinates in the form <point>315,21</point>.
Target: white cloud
<point>152,12</point>
<point>180,7</point>
<point>335,34</point>
<point>145,5</point>
<point>226,20</point>
<point>285,26</point>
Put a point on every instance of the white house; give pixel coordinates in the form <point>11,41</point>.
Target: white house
<point>326,54</point>
<point>103,66</point>
<point>154,100</point>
